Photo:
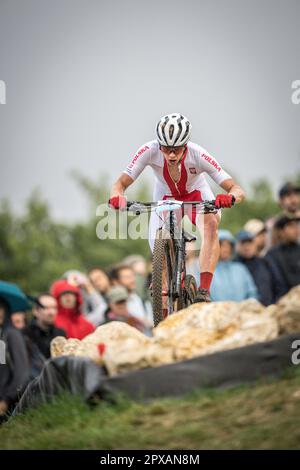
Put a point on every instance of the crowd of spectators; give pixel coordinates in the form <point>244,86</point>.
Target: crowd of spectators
<point>73,307</point>
<point>261,261</point>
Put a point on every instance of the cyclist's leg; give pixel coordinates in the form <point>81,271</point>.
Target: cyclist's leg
<point>210,248</point>
<point>209,253</point>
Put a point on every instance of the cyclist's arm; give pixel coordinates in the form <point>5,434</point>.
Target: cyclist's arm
<point>131,173</point>
<point>120,186</point>
<point>233,188</point>
<point>212,167</point>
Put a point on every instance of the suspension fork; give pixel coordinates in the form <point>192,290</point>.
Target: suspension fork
<point>180,261</point>
<point>179,247</point>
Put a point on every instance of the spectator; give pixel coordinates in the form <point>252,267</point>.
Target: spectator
<point>15,372</point>
<point>140,269</point>
<point>286,254</point>
<point>232,280</point>
<point>122,275</point>
<point>18,320</point>
<point>267,277</point>
<point>69,316</point>
<point>289,202</point>
<point>42,330</point>
<point>94,304</point>
<point>257,228</point>
<point>118,309</point>
<point>100,281</point>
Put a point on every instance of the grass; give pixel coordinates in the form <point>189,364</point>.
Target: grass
<point>265,415</point>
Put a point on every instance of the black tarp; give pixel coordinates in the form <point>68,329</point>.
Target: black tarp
<point>223,369</point>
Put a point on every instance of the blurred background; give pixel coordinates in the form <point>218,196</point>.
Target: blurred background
<point>86,82</point>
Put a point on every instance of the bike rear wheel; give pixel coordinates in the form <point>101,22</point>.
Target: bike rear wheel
<point>190,290</point>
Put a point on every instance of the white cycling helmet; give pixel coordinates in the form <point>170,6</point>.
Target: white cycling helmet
<point>173,130</point>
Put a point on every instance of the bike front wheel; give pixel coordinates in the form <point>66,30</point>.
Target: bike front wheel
<point>163,264</point>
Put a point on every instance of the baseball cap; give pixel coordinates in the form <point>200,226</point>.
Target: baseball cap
<point>288,188</point>
<point>255,226</point>
<point>244,236</point>
<point>226,235</point>
<point>117,294</point>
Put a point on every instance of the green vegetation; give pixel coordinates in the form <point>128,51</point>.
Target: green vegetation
<point>35,249</point>
<point>261,416</point>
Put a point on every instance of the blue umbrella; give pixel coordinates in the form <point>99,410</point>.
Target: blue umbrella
<point>13,295</point>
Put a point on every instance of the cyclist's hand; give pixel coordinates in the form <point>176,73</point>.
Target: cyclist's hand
<point>118,202</point>
<point>224,200</point>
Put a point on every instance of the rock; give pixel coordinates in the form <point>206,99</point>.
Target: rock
<point>200,329</point>
<point>288,311</point>
<point>251,306</point>
<point>125,346</point>
<point>217,326</point>
<point>160,353</point>
<point>124,357</point>
<point>89,350</point>
<point>212,317</point>
<point>252,330</point>
<point>191,342</point>
<point>61,346</point>
<point>57,345</point>
<point>70,347</point>
<point>116,332</point>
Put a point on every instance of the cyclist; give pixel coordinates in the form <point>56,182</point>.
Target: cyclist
<point>178,165</point>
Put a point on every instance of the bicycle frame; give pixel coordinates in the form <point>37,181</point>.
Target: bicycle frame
<point>179,248</point>
<point>177,237</point>
<point>176,275</point>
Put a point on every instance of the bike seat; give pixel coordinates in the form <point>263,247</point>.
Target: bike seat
<point>188,237</point>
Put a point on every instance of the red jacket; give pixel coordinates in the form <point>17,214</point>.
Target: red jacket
<point>70,319</point>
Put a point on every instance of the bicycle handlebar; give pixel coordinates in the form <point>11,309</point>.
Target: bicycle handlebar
<point>138,207</point>
<point>170,201</point>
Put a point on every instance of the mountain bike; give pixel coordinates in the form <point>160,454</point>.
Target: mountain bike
<point>172,288</point>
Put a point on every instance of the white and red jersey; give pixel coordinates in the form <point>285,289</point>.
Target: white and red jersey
<point>195,162</point>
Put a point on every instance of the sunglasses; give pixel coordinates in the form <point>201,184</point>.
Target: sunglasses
<point>168,150</point>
